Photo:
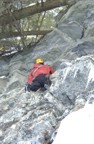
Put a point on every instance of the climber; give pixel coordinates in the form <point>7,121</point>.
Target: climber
<point>39,76</point>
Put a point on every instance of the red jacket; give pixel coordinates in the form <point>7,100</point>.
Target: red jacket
<point>39,69</point>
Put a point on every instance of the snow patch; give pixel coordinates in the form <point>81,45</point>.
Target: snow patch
<point>77,127</point>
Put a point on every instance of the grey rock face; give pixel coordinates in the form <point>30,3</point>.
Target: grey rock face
<point>34,117</point>
<point>4,68</point>
<point>74,79</point>
<point>16,80</point>
<point>72,29</point>
<point>3,83</point>
<point>80,49</point>
<point>81,12</point>
<point>86,48</point>
<point>29,117</point>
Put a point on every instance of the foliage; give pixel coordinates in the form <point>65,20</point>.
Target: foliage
<point>41,21</point>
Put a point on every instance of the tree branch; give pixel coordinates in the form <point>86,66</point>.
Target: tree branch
<point>25,33</point>
<point>31,10</point>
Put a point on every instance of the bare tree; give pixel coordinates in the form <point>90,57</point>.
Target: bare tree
<point>31,10</point>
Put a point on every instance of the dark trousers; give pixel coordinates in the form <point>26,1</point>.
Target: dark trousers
<point>39,83</point>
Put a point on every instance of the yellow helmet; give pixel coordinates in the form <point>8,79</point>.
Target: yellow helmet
<point>39,60</point>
